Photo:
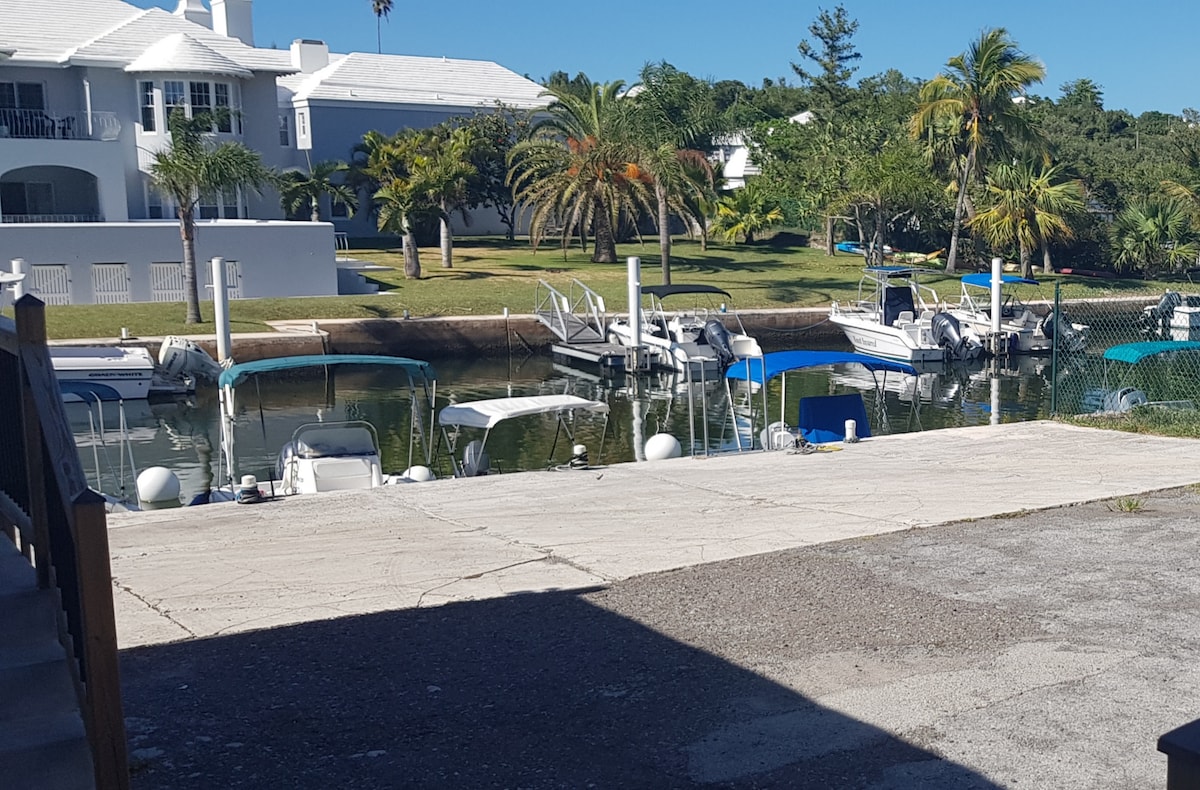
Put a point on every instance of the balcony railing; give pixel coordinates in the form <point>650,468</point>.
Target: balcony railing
<point>26,218</point>
<point>43,125</point>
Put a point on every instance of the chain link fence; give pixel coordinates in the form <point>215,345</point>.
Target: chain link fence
<point>1142,347</point>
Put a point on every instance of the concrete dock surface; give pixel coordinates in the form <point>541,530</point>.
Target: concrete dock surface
<point>763,620</point>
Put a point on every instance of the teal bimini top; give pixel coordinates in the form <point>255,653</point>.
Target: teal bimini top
<point>236,374</point>
<point>1134,353</point>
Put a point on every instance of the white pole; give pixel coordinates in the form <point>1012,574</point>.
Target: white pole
<point>997,263</point>
<point>995,399</point>
<point>18,288</point>
<point>635,306</point>
<point>221,310</point>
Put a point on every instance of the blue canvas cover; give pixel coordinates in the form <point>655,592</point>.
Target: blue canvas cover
<point>984,280</point>
<point>776,363</point>
<point>823,417</point>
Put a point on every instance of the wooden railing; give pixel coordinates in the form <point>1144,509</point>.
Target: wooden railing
<point>58,523</point>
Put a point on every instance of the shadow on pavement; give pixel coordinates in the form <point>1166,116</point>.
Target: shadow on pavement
<point>533,691</point>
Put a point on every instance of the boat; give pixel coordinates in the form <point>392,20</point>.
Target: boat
<point>485,415</point>
<point>699,342</point>
<point>1024,331</point>
<point>820,419</point>
<point>327,456</point>
<point>131,372</point>
<point>1123,364</point>
<point>896,317</point>
<point>1176,316</point>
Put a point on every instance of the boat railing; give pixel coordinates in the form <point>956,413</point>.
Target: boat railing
<point>59,525</point>
<point>578,316</point>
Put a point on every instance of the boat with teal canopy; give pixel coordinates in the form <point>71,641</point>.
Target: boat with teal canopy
<point>1130,388</point>
<point>238,373</point>
<point>1134,353</point>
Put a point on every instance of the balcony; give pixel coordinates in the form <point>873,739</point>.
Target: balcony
<point>43,125</point>
<point>32,218</point>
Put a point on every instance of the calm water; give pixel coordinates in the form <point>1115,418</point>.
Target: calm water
<point>184,435</point>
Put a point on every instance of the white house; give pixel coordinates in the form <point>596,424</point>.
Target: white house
<point>85,90</point>
<point>734,155</point>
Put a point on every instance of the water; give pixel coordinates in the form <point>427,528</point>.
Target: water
<point>184,435</point>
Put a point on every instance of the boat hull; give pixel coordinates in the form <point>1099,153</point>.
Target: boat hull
<point>871,338</point>
<point>127,372</point>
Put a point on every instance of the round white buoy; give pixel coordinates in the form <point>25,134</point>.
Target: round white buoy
<point>662,446</point>
<point>418,474</point>
<point>158,487</point>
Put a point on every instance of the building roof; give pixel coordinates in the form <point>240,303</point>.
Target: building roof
<point>406,79</point>
<point>114,33</point>
<point>181,52</point>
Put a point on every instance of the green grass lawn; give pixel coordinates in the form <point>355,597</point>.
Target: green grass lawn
<point>490,275</point>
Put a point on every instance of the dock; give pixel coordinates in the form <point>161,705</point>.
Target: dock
<point>579,322</point>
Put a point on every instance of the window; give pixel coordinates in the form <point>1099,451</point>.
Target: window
<point>22,96</point>
<point>210,206</point>
<point>201,97</point>
<point>301,124</point>
<point>338,210</point>
<point>173,94</point>
<point>224,111</point>
<point>146,94</point>
<point>285,137</point>
<point>229,204</point>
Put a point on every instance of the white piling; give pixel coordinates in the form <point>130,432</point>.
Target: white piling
<point>997,268</point>
<point>635,307</point>
<point>221,310</point>
<point>18,288</point>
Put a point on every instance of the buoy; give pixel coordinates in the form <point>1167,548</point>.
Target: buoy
<point>851,432</point>
<point>662,446</point>
<point>418,474</point>
<point>158,487</point>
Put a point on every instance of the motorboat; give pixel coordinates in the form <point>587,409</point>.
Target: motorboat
<point>1176,316</point>
<point>458,419</point>
<point>897,317</point>
<point>131,372</point>
<point>1023,330</point>
<point>820,419</point>
<point>328,456</point>
<point>1127,377</point>
<point>700,342</point>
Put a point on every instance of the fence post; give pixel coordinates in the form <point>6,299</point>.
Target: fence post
<point>103,710</point>
<point>31,331</point>
<point>1054,351</point>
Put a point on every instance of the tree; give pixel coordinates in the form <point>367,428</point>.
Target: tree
<point>577,171</point>
<point>401,197</point>
<point>496,133</point>
<point>973,100</point>
<point>298,191</point>
<point>747,212</point>
<point>1154,234</point>
<point>830,81</point>
<point>443,163</point>
<point>192,165</point>
<point>1030,205</point>
<point>381,8</point>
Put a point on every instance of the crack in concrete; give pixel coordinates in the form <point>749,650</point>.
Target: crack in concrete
<point>154,608</point>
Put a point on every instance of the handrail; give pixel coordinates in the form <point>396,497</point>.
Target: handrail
<point>582,304</point>
<point>60,526</point>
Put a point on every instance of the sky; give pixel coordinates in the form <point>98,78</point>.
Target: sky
<point>1128,50</point>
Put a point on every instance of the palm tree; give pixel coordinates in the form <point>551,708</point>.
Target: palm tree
<point>444,162</point>
<point>193,165</point>
<point>746,212</point>
<point>577,170</point>
<point>298,191</point>
<point>381,8</point>
<point>401,196</point>
<point>1029,206</point>
<point>976,95</point>
<point>1154,233</point>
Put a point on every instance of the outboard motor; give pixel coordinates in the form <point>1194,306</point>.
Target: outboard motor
<point>717,336</point>
<point>1156,320</point>
<point>947,332</point>
<point>1059,328</point>
<point>179,357</point>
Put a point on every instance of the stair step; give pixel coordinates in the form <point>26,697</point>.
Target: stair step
<point>40,688</point>
<point>47,753</point>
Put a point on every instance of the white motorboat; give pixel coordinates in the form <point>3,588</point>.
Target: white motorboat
<point>1024,331</point>
<point>485,415</point>
<point>896,317</point>
<point>699,341</point>
<point>328,456</point>
<point>103,372</point>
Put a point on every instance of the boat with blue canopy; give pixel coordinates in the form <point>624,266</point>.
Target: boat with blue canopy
<point>1023,329</point>
<point>329,456</point>
<point>821,419</point>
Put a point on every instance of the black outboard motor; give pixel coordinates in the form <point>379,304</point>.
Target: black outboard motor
<point>947,332</point>
<point>717,336</point>
<point>1059,328</point>
<point>1156,320</point>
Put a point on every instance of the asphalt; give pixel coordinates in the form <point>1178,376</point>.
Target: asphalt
<point>1000,606</point>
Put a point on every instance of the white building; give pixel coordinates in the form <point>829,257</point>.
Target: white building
<point>736,159</point>
<point>85,90</point>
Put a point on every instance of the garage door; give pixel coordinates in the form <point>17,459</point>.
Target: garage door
<point>50,282</point>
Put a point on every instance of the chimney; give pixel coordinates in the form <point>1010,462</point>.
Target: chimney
<point>233,18</point>
<point>309,55</point>
<point>194,11</point>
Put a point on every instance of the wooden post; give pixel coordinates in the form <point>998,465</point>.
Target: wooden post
<point>103,713</point>
<point>31,332</point>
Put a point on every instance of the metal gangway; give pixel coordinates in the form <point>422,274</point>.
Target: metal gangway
<point>579,320</point>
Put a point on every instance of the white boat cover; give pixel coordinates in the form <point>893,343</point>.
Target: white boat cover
<point>489,413</point>
<point>101,358</point>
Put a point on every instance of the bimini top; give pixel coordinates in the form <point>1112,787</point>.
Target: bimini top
<point>777,363</point>
<point>984,280</point>
<point>899,271</point>
<point>236,374</point>
<point>489,413</point>
<point>663,291</point>
<point>1134,353</point>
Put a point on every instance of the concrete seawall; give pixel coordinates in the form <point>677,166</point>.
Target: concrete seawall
<point>460,336</point>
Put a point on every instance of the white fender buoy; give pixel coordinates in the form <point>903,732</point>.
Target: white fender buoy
<point>158,487</point>
<point>662,446</point>
<point>418,474</point>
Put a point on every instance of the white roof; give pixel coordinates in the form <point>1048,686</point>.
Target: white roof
<point>181,52</point>
<point>408,79</point>
<point>488,413</point>
<point>114,33</point>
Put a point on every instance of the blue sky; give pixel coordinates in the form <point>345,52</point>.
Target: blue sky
<point>1133,52</point>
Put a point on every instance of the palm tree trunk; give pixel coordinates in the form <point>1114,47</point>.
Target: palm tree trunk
<point>1046,267</point>
<point>191,293</point>
<point>959,205</point>
<point>315,212</point>
<point>447,238</point>
<point>379,33</point>
<point>604,246</point>
<point>1026,255</point>
<point>412,260</point>
<point>664,231</point>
